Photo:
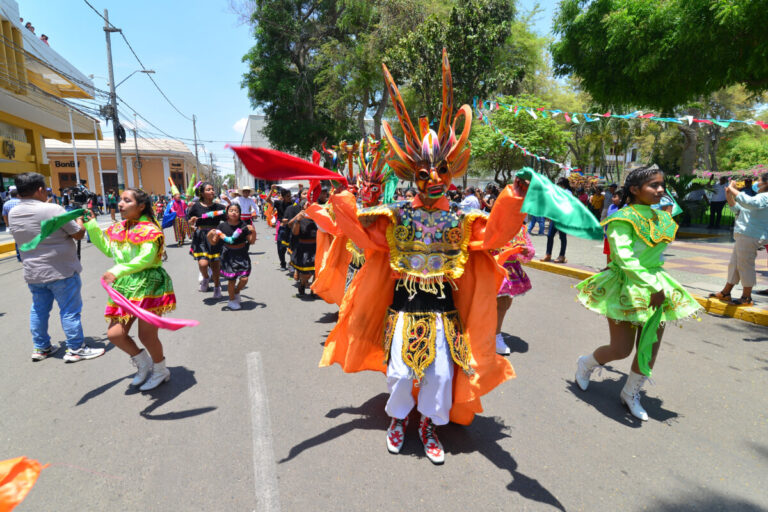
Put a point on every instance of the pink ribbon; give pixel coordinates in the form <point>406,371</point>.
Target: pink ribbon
<point>172,324</point>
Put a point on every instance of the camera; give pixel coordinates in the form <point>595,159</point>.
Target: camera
<point>79,195</point>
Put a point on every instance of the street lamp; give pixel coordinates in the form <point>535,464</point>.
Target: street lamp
<point>145,71</point>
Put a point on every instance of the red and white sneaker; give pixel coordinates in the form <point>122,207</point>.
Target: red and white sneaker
<point>396,435</point>
<point>432,446</point>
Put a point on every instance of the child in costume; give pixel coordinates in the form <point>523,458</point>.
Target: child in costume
<point>137,246</point>
<point>635,283</point>
<point>204,215</point>
<point>180,225</point>
<point>516,282</point>
<point>236,235</point>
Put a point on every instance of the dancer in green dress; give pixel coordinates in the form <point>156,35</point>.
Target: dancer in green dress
<point>137,246</point>
<point>635,283</point>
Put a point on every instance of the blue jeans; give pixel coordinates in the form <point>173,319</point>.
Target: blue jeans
<point>67,295</point>
<point>532,221</point>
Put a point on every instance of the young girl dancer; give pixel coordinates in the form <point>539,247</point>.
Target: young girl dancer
<point>515,283</point>
<point>205,215</point>
<point>137,246</point>
<point>635,283</point>
<point>236,235</point>
<point>303,257</point>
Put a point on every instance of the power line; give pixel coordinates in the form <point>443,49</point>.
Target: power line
<point>143,67</point>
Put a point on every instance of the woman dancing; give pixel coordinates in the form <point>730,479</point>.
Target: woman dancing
<point>137,246</point>
<point>635,283</point>
<point>205,215</point>
<point>236,235</point>
<point>180,225</point>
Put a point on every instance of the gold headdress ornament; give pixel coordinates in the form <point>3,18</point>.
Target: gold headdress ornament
<point>372,160</point>
<point>427,149</point>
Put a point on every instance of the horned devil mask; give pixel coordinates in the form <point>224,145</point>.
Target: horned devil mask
<point>430,159</point>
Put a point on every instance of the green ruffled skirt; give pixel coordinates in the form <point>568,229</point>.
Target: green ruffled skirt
<point>150,289</point>
<point>611,294</point>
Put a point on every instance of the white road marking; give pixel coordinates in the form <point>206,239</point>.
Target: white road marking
<point>264,470</point>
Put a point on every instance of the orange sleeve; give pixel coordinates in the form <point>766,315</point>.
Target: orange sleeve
<point>503,223</point>
<point>323,219</point>
<point>372,237</point>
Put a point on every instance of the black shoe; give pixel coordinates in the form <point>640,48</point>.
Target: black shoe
<point>283,266</point>
<point>302,289</point>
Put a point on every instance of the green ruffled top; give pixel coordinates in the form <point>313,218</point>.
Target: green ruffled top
<point>638,236</point>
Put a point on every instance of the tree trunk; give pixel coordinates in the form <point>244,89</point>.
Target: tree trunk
<point>688,158</point>
<point>715,137</point>
<point>379,114</point>
<point>361,114</point>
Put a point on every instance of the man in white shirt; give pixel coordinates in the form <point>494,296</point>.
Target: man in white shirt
<point>717,202</point>
<point>470,201</point>
<point>248,207</point>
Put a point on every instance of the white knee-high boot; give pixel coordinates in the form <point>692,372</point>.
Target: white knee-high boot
<point>143,364</point>
<point>630,395</point>
<point>584,368</point>
<point>159,375</point>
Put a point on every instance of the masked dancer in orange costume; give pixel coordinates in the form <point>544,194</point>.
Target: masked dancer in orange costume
<point>418,309</point>
<point>342,259</point>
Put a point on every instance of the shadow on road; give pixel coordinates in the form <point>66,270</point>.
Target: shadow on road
<point>328,318</point>
<point>101,389</point>
<point>705,501</point>
<point>181,380</point>
<point>603,395</point>
<point>515,343</point>
<point>373,418</point>
<point>481,437</point>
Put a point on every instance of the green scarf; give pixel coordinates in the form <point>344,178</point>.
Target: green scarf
<point>647,339</point>
<point>545,199</point>
<point>47,227</point>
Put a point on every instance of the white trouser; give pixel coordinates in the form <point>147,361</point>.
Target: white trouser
<point>435,390</point>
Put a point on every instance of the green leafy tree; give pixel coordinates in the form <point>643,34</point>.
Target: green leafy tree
<point>475,33</point>
<point>492,155</point>
<point>661,54</point>
<point>282,70</point>
<point>744,150</point>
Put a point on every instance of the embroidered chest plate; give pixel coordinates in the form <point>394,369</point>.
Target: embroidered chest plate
<point>425,243</point>
<point>134,233</point>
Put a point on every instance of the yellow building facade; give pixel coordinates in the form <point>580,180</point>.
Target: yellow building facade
<point>160,159</point>
<point>34,81</point>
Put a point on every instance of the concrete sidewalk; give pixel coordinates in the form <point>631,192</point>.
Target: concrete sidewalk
<point>701,265</point>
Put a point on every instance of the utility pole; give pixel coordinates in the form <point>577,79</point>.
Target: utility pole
<point>213,174</point>
<point>136,145</point>
<point>113,102</point>
<point>194,134</point>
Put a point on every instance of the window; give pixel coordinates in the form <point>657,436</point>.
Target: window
<point>67,179</point>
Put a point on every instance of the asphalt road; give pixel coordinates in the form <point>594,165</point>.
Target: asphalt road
<point>249,422</point>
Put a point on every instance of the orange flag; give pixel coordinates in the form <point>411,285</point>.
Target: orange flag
<point>17,477</point>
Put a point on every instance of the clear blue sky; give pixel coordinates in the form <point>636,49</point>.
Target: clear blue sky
<point>195,47</point>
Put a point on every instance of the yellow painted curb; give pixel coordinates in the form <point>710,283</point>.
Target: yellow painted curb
<point>751,314</point>
<point>7,247</point>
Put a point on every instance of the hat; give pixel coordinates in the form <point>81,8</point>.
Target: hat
<point>12,188</point>
<point>174,188</point>
<point>250,189</point>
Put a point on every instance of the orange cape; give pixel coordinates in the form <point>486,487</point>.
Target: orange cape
<point>356,342</point>
<point>17,476</point>
<point>332,257</point>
